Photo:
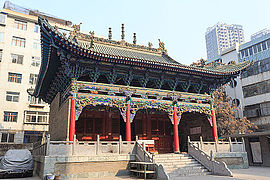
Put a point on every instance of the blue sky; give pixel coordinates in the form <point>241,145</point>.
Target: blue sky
<point>181,24</point>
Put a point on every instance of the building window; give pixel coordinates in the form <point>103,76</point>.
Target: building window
<point>7,137</point>
<point>1,37</point>
<point>246,52</point>
<point>242,54</point>
<point>33,78</point>
<point>10,116</point>
<point>262,87</point>
<point>233,83</point>
<point>12,96</point>
<point>20,42</point>
<point>36,28</point>
<point>255,49</point>
<point>264,45</point>
<point>35,61</point>
<point>252,111</point>
<point>34,100</point>
<point>3,18</point>
<point>14,77</point>
<point>265,109</point>
<point>259,47</point>
<point>250,51</point>
<point>1,54</point>
<point>257,68</point>
<point>20,25</point>
<point>268,43</point>
<point>36,117</point>
<point>18,59</point>
<point>36,44</point>
<point>236,102</point>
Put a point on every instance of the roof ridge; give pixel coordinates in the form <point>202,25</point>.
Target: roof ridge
<point>171,64</point>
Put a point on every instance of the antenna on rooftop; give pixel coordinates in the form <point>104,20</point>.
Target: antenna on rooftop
<point>110,34</point>
<point>123,32</point>
<point>134,38</point>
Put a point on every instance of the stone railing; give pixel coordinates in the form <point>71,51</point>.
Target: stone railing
<point>217,168</point>
<point>145,156</point>
<point>220,146</point>
<point>83,148</point>
<point>142,154</point>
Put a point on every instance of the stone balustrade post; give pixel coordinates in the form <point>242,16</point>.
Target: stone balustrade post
<point>97,148</point>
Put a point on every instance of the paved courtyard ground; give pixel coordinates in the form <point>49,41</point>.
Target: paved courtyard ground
<point>253,173</point>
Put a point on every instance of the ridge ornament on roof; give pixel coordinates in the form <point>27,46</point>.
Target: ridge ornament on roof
<point>162,46</point>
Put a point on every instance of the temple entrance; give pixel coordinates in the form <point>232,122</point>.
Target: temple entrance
<point>149,124</point>
<point>194,125</point>
<point>155,125</point>
<point>100,120</point>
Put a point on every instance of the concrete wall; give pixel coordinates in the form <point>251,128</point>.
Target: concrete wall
<point>4,147</point>
<point>59,119</point>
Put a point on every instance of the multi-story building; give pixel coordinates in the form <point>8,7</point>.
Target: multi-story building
<point>234,88</point>
<point>252,92</point>
<point>259,34</point>
<point>222,36</point>
<point>256,80</point>
<point>23,118</point>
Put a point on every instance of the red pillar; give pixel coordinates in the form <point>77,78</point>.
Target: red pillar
<point>175,131</point>
<point>72,119</point>
<point>215,136</point>
<point>128,128</point>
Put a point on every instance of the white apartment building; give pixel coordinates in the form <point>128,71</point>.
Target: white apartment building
<point>256,80</point>
<point>252,90</point>
<point>23,118</point>
<point>222,36</point>
<point>234,88</point>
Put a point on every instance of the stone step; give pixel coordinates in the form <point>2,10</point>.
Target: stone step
<point>173,176</point>
<point>182,166</point>
<point>168,156</point>
<point>172,155</point>
<point>185,170</point>
<point>178,163</point>
<point>174,160</point>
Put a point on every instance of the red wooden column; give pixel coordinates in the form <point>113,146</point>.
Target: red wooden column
<point>214,128</point>
<point>72,119</point>
<point>175,131</point>
<point>128,128</point>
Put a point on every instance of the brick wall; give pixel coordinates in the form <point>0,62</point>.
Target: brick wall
<point>59,119</point>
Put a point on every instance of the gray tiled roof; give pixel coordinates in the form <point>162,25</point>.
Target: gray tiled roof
<point>124,52</point>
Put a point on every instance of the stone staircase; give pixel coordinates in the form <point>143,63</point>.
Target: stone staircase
<point>177,165</point>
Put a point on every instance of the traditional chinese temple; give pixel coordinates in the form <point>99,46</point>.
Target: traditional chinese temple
<point>99,86</point>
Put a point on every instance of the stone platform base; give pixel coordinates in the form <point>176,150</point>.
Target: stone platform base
<point>233,160</point>
<point>72,167</point>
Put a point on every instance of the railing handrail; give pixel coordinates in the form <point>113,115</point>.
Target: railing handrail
<point>145,152</point>
<point>202,152</point>
<point>218,168</point>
